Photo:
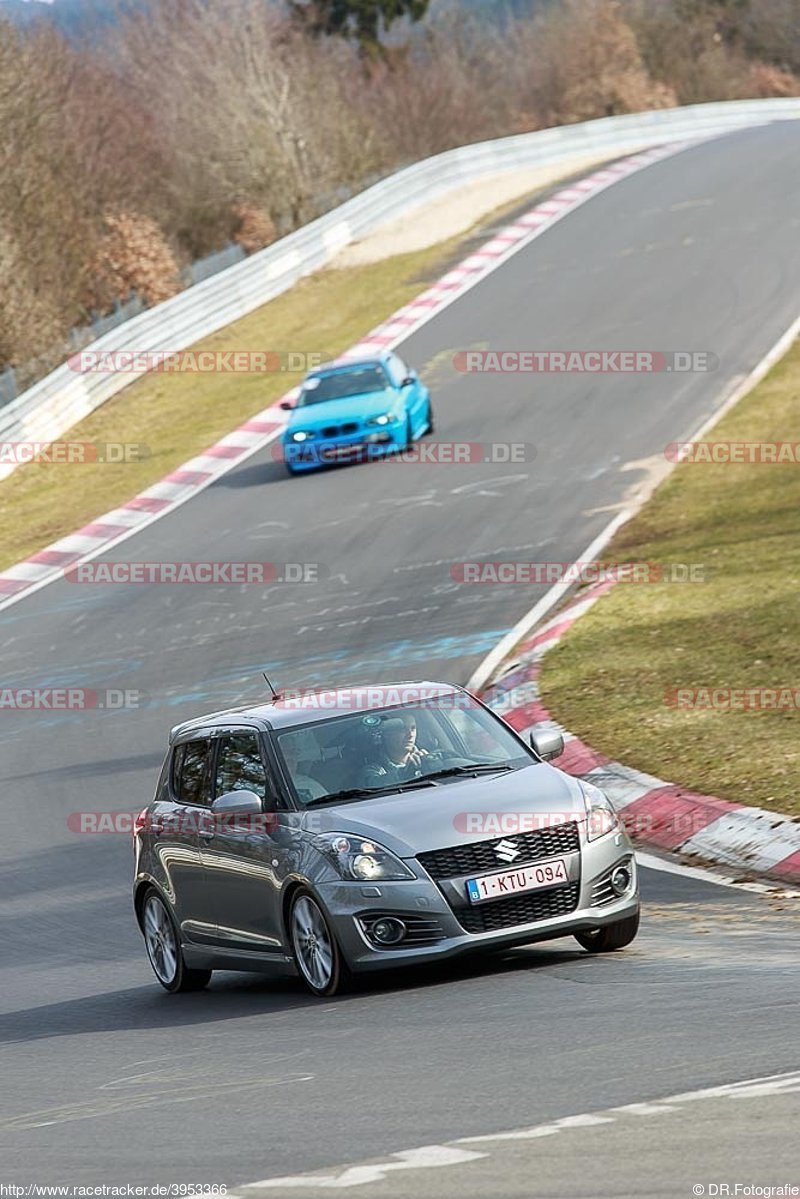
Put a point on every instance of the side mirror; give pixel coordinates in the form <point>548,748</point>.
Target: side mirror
<point>287,406</point>
<point>409,381</point>
<point>547,744</point>
<point>237,803</point>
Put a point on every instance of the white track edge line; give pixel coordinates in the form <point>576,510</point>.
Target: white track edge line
<point>651,861</point>
<point>436,1156</point>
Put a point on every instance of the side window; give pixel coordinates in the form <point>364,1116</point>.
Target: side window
<point>239,765</point>
<point>164,779</point>
<point>190,781</point>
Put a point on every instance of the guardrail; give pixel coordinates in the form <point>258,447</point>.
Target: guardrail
<point>57,402</point>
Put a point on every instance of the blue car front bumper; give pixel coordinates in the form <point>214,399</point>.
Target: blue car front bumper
<point>333,451</point>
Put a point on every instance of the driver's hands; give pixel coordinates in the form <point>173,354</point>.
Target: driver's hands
<point>417,754</point>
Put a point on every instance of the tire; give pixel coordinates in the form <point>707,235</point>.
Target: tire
<point>319,962</point>
<point>610,936</point>
<point>409,440</point>
<point>164,948</point>
<point>431,428</point>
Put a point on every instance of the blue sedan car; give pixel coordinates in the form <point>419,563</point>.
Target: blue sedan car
<point>355,410</point>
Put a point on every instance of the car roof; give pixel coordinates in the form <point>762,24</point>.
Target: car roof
<point>309,706</point>
<point>343,364</point>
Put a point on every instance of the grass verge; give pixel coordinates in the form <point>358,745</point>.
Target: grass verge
<point>608,679</point>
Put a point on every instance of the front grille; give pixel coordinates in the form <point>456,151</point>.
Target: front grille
<point>421,930</point>
<point>481,857</point>
<point>339,430</point>
<point>519,909</point>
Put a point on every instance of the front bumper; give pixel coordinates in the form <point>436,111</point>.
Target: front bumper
<point>437,910</point>
<point>333,451</point>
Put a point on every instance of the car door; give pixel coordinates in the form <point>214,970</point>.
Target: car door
<point>244,864</point>
<point>182,807</point>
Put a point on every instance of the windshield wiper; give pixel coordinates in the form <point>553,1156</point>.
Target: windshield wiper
<point>366,792</point>
<point>474,770</point>
<point>423,780</point>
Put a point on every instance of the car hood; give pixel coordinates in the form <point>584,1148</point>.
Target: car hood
<point>358,407</point>
<point>457,813</point>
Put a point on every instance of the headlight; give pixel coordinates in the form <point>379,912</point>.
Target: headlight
<point>601,817</point>
<point>361,859</point>
<point>386,418</point>
<point>300,435</point>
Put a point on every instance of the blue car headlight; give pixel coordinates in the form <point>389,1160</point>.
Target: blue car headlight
<point>301,435</point>
<point>386,418</point>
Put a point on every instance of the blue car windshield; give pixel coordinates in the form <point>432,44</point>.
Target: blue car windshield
<point>341,384</point>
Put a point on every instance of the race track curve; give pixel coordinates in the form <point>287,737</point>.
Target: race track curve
<point>108,1080</point>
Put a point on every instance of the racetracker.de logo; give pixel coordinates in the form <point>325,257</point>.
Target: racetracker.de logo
<point>733,699</point>
<point>506,824</point>
<point>448,453</point>
<point>585,362</point>
<point>72,453</point>
<point>577,572</point>
<point>70,699</point>
<point>195,362</point>
<point>365,699</point>
<point>198,573</point>
<point>187,822</point>
<point>734,453</point>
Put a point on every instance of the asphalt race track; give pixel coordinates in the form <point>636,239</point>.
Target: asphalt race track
<point>107,1079</point>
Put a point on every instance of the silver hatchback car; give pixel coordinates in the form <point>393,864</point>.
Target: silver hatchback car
<point>353,830</point>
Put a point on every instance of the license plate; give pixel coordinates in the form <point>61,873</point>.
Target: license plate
<point>342,451</point>
<point>512,882</point>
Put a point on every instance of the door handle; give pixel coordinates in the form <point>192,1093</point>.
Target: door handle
<point>206,833</point>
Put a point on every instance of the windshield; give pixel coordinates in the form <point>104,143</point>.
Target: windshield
<point>354,381</point>
<point>406,746</point>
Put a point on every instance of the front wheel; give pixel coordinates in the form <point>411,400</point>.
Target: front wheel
<point>430,428</point>
<point>164,948</point>
<point>610,936</point>
<point>409,438</point>
<point>316,953</point>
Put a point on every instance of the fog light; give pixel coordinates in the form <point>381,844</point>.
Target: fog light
<point>388,930</point>
<point>620,880</point>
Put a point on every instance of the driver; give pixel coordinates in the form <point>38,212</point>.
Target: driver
<point>401,757</point>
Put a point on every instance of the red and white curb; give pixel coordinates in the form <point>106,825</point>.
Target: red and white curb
<point>109,530</point>
<point>656,813</point>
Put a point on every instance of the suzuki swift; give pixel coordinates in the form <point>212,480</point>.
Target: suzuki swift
<point>353,830</point>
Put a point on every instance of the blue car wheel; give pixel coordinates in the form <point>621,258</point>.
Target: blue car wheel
<point>409,433</point>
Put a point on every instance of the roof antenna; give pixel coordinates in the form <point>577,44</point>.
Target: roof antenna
<point>275,694</point>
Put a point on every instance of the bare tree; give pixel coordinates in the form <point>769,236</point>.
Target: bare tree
<point>44,229</point>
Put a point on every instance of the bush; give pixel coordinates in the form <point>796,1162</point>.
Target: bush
<point>132,255</point>
<point>255,229</point>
